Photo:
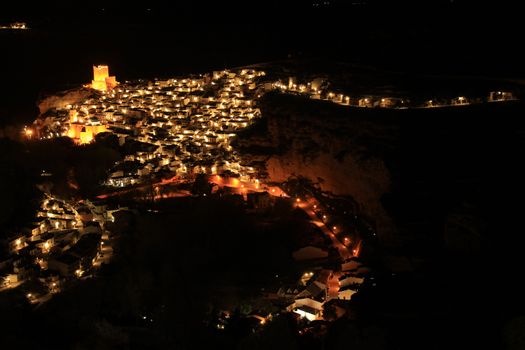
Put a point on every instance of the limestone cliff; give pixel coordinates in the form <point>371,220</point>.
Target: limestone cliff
<point>345,151</point>
<point>62,99</point>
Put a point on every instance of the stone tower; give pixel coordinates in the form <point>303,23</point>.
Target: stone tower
<point>101,79</point>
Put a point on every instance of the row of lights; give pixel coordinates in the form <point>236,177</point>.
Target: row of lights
<point>334,228</point>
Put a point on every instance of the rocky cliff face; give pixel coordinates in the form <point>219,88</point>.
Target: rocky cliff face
<point>62,99</point>
<point>345,151</point>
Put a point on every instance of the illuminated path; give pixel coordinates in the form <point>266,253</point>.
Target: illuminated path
<point>308,206</point>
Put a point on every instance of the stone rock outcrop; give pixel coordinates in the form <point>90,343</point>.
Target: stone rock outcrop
<point>62,99</point>
<point>344,151</point>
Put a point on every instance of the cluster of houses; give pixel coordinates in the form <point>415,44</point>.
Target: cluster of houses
<point>64,242</point>
<point>177,126</point>
<point>15,26</point>
<point>318,89</point>
<point>320,285</point>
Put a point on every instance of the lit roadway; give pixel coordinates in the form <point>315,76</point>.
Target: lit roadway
<point>308,207</point>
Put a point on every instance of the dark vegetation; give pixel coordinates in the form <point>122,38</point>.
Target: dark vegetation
<point>56,165</point>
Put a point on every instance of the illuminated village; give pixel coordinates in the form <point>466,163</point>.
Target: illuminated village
<point>179,128</point>
<point>67,241</point>
<point>182,127</point>
<point>317,174</point>
<point>15,26</point>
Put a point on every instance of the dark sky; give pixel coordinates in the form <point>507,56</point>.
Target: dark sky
<point>461,37</point>
<point>409,33</point>
<point>41,9</point>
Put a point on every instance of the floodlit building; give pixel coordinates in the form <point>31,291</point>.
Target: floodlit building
<point>307,308</point>
<point>459,101</point>
<point>500,96</point>
<point>101,79</point>
<point>346,293</point>
<point>82,131</point>
<point>365,102</point>
<point>390,102</point>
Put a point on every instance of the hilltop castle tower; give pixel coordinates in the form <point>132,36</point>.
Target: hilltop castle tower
<point>101,79</point>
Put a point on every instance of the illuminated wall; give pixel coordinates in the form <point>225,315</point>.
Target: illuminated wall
<point>100,73</point>
<point>99,85</point>
<point>101,79</point>
<point>111,82</point>
<point>83,134</point>
<point>73,116</point>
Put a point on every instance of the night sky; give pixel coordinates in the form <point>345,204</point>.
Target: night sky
<point>162,39</point>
